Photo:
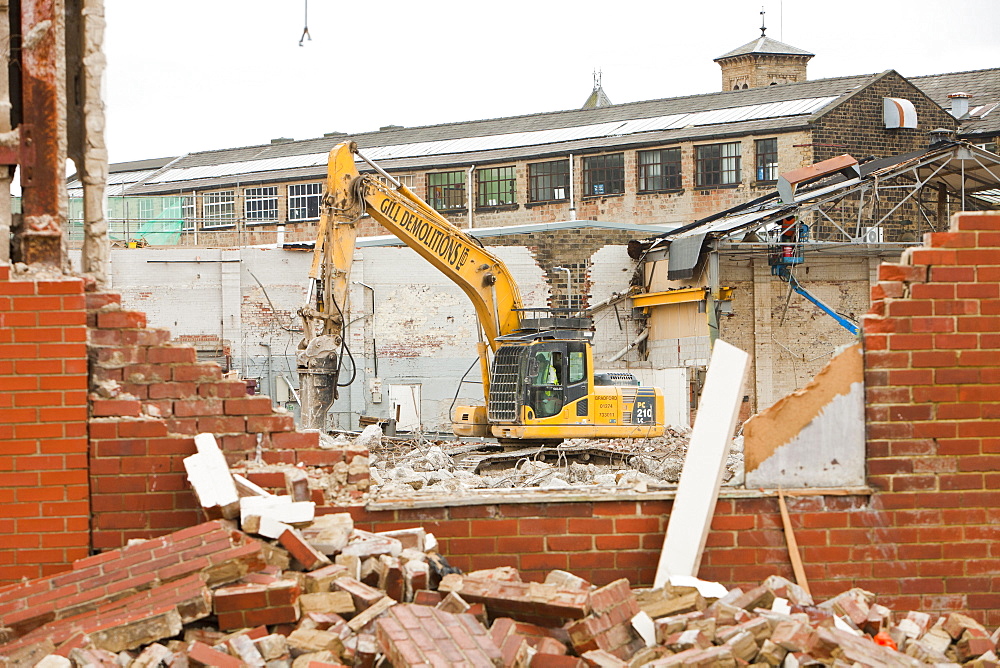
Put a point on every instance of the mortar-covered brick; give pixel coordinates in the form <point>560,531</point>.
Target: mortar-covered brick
<point>417,635</point>
<point>126,622</point>
<point>524,601</point>
<point>210,548</point>
<point>177,396</point>
<point>296,544</point>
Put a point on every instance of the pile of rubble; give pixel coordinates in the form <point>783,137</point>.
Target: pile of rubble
<point>403,467</point>
<point>324,593</point>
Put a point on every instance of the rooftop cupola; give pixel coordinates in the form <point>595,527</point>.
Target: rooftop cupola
<point>763,62</point>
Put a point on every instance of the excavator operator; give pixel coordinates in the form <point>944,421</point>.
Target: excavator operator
<point>547,383</point>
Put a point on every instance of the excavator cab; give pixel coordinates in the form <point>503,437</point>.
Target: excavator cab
<point>543,389</point>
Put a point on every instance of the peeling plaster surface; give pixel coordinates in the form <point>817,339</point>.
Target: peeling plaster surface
<point>814,437</point>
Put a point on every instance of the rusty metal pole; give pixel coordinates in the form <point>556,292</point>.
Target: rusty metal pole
<point>7,137</point>
<point>41,239</point>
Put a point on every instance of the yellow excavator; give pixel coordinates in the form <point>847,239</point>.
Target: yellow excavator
<point>540,385</point>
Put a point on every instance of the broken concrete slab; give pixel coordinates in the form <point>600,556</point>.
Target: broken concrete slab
<point>278,508</point>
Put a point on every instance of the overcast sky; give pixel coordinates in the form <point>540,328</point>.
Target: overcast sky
<point>195,75</point>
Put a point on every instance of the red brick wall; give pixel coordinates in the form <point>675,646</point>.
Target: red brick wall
<point>927,538</point>
<point>156,396</point>
<point>932,373</point>
<point>43,438</point>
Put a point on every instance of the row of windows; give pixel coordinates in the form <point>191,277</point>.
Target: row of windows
<point>260,205</point>
<point>658,170</point>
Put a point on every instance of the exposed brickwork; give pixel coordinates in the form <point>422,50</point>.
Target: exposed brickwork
<point>161,396</point>
<point>43,437</point>
<point>925,539</point>
<point>268,600</point>
<point>857,127</point>
<point>210,553</point>
<point>932,375</point>
<point>415,635</point>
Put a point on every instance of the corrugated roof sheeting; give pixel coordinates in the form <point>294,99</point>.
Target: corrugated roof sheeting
<point>508,140</point>
<point>552,120</point>
<point>540,152</point>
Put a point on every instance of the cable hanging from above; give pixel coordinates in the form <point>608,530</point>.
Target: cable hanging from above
<point>305,29</point>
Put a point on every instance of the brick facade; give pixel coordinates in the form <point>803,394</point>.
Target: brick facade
<point>752,70</point>
<point>43,433</point>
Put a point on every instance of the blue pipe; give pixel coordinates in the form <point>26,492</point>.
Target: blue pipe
<point>841,320</point>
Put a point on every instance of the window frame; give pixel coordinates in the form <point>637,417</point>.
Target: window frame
<point>223,218</point>
<point>599,171</point>
<point>254,198</point>
<point>189,213</point>
<point>447,198</point>
<point>311,192</point>
<point>770,168</point>
<point>505,181</point>
<point>718,165</point>
<point>548,178</point>
<point>669,181</point>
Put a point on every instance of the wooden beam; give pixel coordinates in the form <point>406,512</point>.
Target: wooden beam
<point>793,546</point>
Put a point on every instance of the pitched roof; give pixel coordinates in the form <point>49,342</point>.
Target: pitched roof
<point>766,45</point>
<point>727,113</point>
<point>597,99</point>
<point>982,85</point>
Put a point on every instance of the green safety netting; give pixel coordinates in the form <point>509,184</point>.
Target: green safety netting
<point>156,221</point>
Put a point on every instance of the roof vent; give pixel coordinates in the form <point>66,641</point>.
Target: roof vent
<point>282,140</point>
<point>391,127</point>
<point>941,135</point>
<point>959,104</point>
<point>334,134</point>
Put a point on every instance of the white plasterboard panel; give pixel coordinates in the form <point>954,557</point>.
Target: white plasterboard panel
<point>674,384</point>
<point>701,477</point>
<point>404,401</point>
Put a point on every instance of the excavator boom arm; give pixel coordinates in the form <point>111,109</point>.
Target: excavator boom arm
<point>481,275</point>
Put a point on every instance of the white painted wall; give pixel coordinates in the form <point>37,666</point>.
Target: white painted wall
<point>422,330</point>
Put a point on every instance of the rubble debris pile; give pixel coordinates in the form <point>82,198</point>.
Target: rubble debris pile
<point>406,467</point>
<point>214,595</point>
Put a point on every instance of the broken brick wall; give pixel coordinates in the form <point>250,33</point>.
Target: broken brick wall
<point>932,376</point>
<point>151,398</point>
<point>925,538</point>
<point>43,428</point>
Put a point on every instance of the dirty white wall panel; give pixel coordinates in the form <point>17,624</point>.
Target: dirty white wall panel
<point>425,332</point>
<point>611,272</point>
<point>273,286</point>
<point>179,289</point>
<point>674,383</point>
<point>814,437</point>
